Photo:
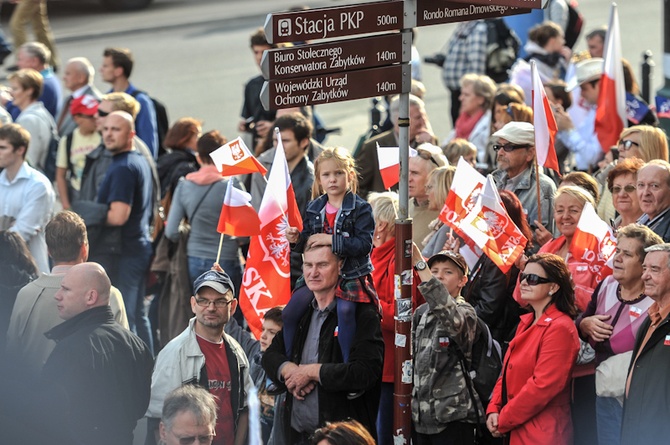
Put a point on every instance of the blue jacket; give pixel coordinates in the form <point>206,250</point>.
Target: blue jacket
<point>352,237</point>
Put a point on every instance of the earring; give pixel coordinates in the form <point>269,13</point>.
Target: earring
<point>551,293</point>
<point>377,236</point>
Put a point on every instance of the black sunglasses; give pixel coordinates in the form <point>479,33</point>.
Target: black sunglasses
<point>509,147</point>
<point>626,144</point>
<point>102,113</point>
<point>533,279</point>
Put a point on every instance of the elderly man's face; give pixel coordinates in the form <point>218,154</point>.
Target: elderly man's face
<point>515,161</point>
<point>656,275</point>
<point>321,269</point>
<point>186,428</point>
<point>419,169</point>
<point>653,191</point>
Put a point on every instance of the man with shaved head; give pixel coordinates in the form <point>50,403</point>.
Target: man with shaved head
<point>104,369</point>
<point>126,190</point>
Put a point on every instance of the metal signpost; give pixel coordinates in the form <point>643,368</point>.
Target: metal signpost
<point>342,70</point>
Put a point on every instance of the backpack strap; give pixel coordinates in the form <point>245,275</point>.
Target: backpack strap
<point>68,151</point>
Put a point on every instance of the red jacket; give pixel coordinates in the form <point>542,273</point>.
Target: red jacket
<point>383,261</point>
<point>539,365</point>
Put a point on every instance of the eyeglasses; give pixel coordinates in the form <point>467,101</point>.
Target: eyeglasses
<point>509,147</point>
<point>626,144</point>
<point>533,279</point>
<point>204,302</point>
<point>188,440</point>
<point>423,154</point>
<point>102,113</point>
<point>628,188</point>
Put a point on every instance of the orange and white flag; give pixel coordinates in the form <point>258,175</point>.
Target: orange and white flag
<point>544,123</point>
<point>266,282</point>
<point>593,242</point>
<point>492,230</point>
<point>238,218</point>
<point>234,158</point>
<point>465,188</point>
<point>389,164</point>
<point>611,111</point>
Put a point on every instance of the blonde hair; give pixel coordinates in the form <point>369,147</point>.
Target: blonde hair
<point>123,102</point>
<point>576,192</point>
<point>343,160</point>
<point>440,179</point>
<point>385,206</point>
<point>653,142</point>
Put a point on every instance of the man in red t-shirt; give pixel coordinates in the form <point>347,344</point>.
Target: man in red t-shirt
<point>204,355</point>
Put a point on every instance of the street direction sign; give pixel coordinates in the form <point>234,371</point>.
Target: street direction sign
<point>340,21</point>
<point>436,12</point>
<point>533,4</point>
<point>342,55</point>
<point>337,87</point>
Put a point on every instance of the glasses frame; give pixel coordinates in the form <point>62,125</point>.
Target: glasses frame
<point>533,279</point>
<point>508,148</point>
<point>626,144</point>
<point>628,188</point>
<point>219,304</point>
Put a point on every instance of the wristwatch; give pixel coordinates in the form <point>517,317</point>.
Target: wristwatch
<point>420,265</point>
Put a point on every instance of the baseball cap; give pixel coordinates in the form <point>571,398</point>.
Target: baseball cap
<point>454,257</point>
<point>586,71</point>
<point>86,105</point>
<point>219,281</point>
<point>520,133</point>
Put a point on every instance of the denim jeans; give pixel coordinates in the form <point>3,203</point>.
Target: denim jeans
<point>198,266</point>
<point>609,414</point>
<point>132,270</point>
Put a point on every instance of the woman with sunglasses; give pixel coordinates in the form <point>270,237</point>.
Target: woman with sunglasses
<point>531,400</point>
<point>621,184</point>
<point>615,313</point>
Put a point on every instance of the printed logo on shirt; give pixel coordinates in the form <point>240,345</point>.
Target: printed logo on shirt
<point>218,385</point>
<point>635,312</point>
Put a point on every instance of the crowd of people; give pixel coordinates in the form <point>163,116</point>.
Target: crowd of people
<point>119,299</point>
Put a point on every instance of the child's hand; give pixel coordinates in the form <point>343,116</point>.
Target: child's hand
<point>292,235</point>
<point>322,239</point>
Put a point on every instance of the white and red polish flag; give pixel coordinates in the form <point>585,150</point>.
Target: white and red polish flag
<point>266,282</point>
<point>462,197</point>
<point>544,123</point>
<point>611,111</point>
<point>234,158</point>
<point>237,217</point>
<point>389,164</point>
<point>593,242</point>
<point>492,230</point>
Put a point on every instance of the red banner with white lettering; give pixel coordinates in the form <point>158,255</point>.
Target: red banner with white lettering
<point>266,282</point>
<point>465,188</point>
<point>492,230</point>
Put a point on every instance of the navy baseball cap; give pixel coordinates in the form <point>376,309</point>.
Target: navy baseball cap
<point>219,281</point>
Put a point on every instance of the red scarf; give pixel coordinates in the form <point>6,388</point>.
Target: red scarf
<point>466,123</point>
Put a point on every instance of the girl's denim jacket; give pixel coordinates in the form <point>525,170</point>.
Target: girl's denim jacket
<point>352,235</point>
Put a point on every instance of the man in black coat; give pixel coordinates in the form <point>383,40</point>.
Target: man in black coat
<point>653,193</point>
<point>104,369</point>
<point>320,386</point>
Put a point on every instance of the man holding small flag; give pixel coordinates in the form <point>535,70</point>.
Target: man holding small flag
<point>516,172</point>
